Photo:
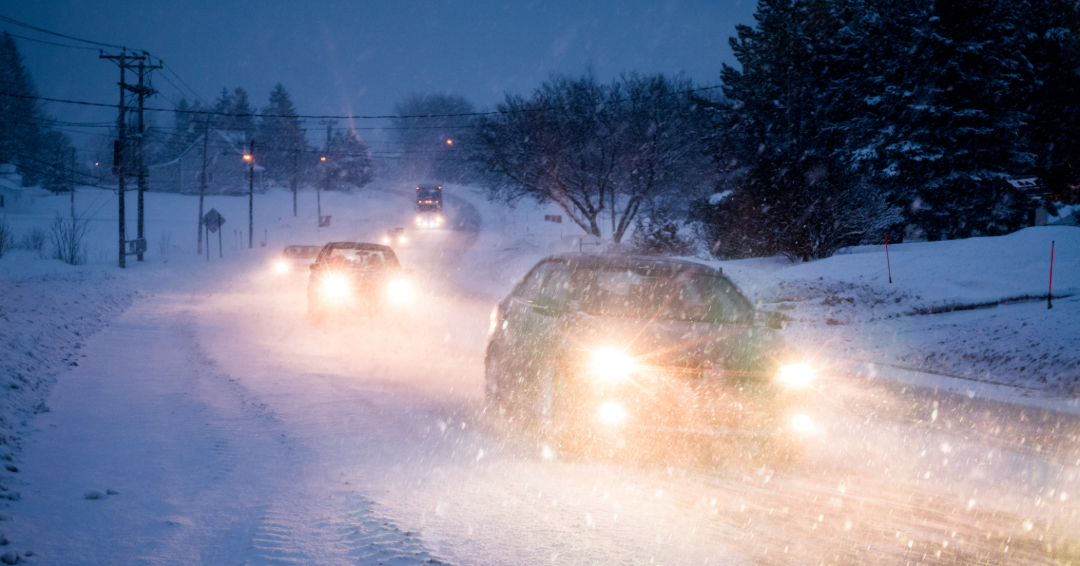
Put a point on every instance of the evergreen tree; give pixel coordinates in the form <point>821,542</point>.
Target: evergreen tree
<point>430,147</point>
<point>961,130</point>
<point>234,112</point>
<point>350,161</point>
<point>41,154</point>
<point>279,135</point>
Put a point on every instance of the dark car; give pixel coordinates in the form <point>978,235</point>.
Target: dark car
<point>606,350</point>
<point>356,277</point>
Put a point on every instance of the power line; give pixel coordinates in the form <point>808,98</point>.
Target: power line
<point>35,28</point>
<point>50,42</point>
<point>338,117</point>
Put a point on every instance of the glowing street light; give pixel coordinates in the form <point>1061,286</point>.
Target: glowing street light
<point>247,157</point>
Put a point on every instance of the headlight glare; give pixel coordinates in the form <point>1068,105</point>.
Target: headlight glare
<point>281,267</point>
<point>400,291</point>
<point>795,375</point>
<point>612,364</point>
<point>336,286</point>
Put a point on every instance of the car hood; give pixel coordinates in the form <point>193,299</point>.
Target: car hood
<point>684,345</point>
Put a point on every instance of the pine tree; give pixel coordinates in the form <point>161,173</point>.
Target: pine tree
<point>279,135</point>
<point>234,112</point>
<point>350,160</point>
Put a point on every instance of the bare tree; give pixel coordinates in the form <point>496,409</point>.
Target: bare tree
<point>67,240</point>
<point>592,148</point>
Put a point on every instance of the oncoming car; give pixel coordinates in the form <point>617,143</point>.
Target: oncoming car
<point>610,350</point>
<point>356,277</point>
<point>295,258</point>
<point>395,236</point>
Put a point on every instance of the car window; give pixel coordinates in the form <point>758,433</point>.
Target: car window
<point>659,293</point>
<point>556,285</point>
<point>530,287</point>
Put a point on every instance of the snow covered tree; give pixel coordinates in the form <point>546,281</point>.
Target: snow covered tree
<point>41,153</point>
<point>431,147</point>
<point>962,126</point>
<point>234,112</point>
<point>279,134</point>
<point>349,161</point>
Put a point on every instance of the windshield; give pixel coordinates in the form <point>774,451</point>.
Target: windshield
<point>654,293</point>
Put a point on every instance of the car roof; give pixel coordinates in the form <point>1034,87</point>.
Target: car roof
<point>632,262</point>
<point>358,246</point>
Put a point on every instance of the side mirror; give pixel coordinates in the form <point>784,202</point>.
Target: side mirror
<point>775,320</point>
<point>313,266</point>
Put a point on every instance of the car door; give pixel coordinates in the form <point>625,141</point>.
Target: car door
<point>541,325</point>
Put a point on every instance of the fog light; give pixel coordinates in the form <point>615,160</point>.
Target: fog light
<point>802,423</point>
<point>612,413</point>
<point>336,287</point>
<point>400,291</point>
<point>795,375</point>
<point>611,364</point>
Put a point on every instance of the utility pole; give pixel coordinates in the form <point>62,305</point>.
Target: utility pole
<point>295,167</point>
<point>202,180</point>
<point>72,184</point>
<point>118,147</point>
<point>142,90</point>
<point>326,163</point>
<point>251,194</point>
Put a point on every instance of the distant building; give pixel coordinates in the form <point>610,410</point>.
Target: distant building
<point>226,170</point>
<point>11,194</point>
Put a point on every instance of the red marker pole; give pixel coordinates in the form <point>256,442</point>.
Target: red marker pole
<point>889,263</point>
<point>1050,289</point>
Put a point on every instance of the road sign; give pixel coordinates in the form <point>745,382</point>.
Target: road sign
<point>324,221</point>
<point>213,220</point>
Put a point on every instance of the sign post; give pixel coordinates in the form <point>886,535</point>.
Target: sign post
<point>213,221</point>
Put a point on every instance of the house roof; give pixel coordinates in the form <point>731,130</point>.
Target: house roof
<point>229,139</point>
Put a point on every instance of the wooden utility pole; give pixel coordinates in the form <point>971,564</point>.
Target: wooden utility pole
<point>72,183</point>
<point>202,179</point>
<point>118,147</point>
<point>295,168</point>
<point>142,90</point>
<point>251,195</point>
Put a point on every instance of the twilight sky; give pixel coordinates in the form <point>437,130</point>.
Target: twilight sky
<point>359,57</point>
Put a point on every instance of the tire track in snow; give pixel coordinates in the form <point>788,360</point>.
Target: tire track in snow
<point>353,534</point>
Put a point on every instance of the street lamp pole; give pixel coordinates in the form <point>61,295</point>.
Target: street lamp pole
<point>250,158</point>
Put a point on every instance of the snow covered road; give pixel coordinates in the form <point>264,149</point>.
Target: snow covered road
<point>213,423</point>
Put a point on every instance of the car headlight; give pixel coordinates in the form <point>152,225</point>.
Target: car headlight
<point>611,364</point>
<point>335,286</point>
<point>802,423</point>
<point>400,291</point>
<point>402,240</point>
<point>281,267</point>
<point>612,413</point>
<point>386,239</point>
<point>795,375</point>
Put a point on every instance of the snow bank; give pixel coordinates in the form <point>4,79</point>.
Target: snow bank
<point>43,322</point>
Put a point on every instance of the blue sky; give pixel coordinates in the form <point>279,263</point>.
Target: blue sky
<point>354,57</point>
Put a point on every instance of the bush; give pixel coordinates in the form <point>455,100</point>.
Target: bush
<point>34,240</point>
<point>67,240</point>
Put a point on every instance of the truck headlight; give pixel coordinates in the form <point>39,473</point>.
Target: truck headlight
<point>400,291</point>
<point>281,267</point>
<point>335,286</point>
<point>611,364</point>
<point>795,375</point>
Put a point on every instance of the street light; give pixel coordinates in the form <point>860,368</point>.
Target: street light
<point>318,195</point>
<point>449,142</point>
<point>250,158</point>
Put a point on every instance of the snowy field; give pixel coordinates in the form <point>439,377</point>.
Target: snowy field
<point>184,410</point>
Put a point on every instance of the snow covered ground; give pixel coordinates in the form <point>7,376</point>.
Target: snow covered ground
<point>208,421</point>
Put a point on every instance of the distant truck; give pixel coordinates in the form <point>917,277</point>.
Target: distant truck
<point>429,206</point>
